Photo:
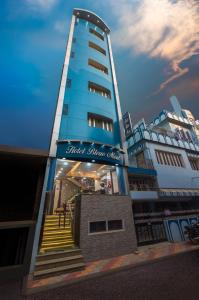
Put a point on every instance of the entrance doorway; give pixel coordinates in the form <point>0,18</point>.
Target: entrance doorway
<point>72,178</point>
<point>75,177</point>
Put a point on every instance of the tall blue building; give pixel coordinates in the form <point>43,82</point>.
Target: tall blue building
<point>85,191</point>
<point>88,108</point>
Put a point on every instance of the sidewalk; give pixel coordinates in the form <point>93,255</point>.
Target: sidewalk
<point>145,254</point>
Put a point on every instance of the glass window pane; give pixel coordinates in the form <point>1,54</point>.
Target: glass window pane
<point>99,226</point>
<point>115,225</point>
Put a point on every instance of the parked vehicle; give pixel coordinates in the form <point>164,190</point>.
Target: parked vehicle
<point>193,232</point>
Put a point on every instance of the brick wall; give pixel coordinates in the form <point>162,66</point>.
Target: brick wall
<point>106,244</point>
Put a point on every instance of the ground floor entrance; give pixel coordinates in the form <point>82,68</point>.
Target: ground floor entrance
<point>60,231</point>
<point>75,177</point>
<point>72,178</point>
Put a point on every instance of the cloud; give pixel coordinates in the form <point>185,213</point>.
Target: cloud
<point>164,29</point>
<point>60,26</point>
<point>41,5</point>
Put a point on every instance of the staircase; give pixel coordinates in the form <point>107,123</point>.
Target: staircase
<point>58,254</point>
<point>55,237</point>
<point>57,263</point>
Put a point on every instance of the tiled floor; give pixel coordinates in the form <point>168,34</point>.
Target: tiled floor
<point>144,254</point>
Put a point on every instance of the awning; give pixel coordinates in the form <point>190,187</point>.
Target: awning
<point>178,192</point>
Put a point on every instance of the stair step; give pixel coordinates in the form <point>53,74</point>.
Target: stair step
<point>52,216</point>
<point>61,254</point>
<point>58,235</point>
<point>56,224</point>
<point>56,248</point>
<point>57,219</point>
<point>56,228</point>
<point>52,219</point>
<point>58,262</point>
<point>56,232</point>
<point>58,270</point>
<point>57,239</point>
<point>57,243</point>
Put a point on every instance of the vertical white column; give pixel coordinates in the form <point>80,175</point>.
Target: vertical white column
<point>118,106</point>
<point>60,101</point>
<point>39,219</point>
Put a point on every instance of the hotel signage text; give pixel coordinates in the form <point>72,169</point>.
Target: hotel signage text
<point>88,151</point>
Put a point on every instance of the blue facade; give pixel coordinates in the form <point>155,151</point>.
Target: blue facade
<point>79,100</point>
<point>88,120</point>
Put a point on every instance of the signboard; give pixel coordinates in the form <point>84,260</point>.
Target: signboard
<point>127,124</point>
<point>85,151</point>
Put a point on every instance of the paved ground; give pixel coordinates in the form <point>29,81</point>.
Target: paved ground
<point>172,278</point>
<point>144,254</point>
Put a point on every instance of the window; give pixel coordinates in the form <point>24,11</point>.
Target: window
<point>76,21</point>
<point>74,40</point>
<point>100,36</point>
<point>105,226</point>
<point>194,164</point>
<point>65,109</point>
<point>98,89</point>
<point>98,66</point>
<point>96,47</point>
<point>72,55</point>
<point>68,83</point>
<point>115,225</point>
<point>99,226</point>
<point>99,121</point>
<point>169,158</point>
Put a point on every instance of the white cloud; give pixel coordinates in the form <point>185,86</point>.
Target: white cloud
<point>165,29</point>
<point>60,26</point>
<point>41,5</point>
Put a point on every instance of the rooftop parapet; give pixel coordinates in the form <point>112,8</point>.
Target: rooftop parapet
<point>91,17</point>
<point>153,136</point>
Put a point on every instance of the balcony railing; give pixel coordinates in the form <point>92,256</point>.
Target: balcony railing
<point>150,135</point>
<point>142,187</point>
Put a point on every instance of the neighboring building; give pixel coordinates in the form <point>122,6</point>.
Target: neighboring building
<point>85,204</point>
<point>164,175</point>
<point>22,175</point>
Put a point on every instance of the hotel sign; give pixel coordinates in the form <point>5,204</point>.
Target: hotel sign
<point>127,124</point>
<point>88,151</point>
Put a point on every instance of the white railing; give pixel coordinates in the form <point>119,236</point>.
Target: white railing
<point>161,138</point>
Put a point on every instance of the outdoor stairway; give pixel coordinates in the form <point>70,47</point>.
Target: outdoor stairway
<point>58,254</point>
<point>57,263</point>
<point>55,237</point>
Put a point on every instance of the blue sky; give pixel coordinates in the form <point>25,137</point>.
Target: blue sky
<point>156,53</point>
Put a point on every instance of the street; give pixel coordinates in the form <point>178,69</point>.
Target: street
<point>176,277</point>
